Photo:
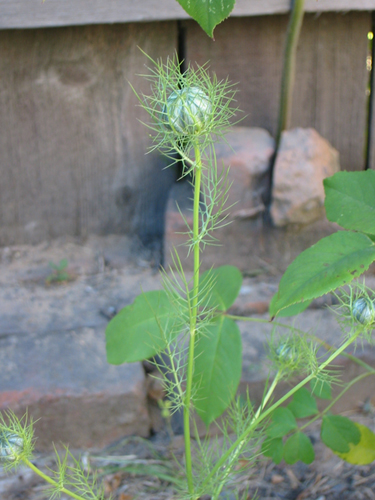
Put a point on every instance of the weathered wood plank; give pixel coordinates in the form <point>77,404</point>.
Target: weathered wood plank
<point>35,13</point>
<point>331,83</point>
<point>371,138</point>
<point>72,151</point>
<point>331,75</point>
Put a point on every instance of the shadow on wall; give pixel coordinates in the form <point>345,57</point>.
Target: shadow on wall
<point>150,205</point>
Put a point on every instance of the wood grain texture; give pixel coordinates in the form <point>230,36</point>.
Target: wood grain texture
<point>331,75</point>
<point>35,13</point>
<point>72,151</point>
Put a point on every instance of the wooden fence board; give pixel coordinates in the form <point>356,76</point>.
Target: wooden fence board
<point>331,75</point>
<point>35,13</point>
<point>371,159</point>
<point>71,148</point>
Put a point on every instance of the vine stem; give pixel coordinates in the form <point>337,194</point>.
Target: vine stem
<point>242,438</point>
<point>51,481</point>
<point>287,82</point>
<point>193,319</point>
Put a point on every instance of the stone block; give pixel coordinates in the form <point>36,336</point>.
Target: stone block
<point>248,152</point>
<point>303,161</point>
<point>52,345</point>
<point>63,380</point>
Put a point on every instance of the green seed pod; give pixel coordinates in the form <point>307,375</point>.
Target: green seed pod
<point>363,311</point>
<point>11,445</point>
<point>186,111</point>
<point>283,353</point>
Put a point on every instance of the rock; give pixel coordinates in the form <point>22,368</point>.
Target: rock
<point>52,344</point>
<point>248,152</point>
<point>303,161</point>
<point>64,380</point>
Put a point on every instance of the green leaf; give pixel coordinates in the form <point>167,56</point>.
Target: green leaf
<point>291,310</point>
<point>362,453</point>
<point>338,432</point>
<point>303,404</point>
<point>208,13</point>
<point>332,262</point>
<point>350,200</point>
<point>217,371</point>
<point>139,331</point>
<point>298,447</point>
<point>283,422</point>
<point>321,388</point>
<point>274,449</point>
<point>220,287</point>
<point>62,264</point>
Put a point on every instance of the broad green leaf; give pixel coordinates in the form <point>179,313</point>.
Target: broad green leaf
<point>291,310</point>
<point>283,422</point>
<point>220,287</point>
<point>208,13</point>
<point>321,389</point>
<point>303,404</point>
<point>217,371</point>
<point>298,447</point>
<point>338,432</point>
<point>332,262</point>
<point>362,453</point>
<point>274,449</point>
<point>139,330</point>
<point>350,200</point>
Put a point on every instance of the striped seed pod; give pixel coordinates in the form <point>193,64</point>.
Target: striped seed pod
<point>284,353</point>
<point>186,111</point>
<point>11,445</point>
<point>363,311</point>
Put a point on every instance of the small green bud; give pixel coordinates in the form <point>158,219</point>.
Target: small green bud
<point>283,352</point>
<point>11,445</point>
<point>186,111</point>
<point>363,311</point>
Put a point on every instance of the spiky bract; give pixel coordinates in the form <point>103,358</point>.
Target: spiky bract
<point>187,109</point>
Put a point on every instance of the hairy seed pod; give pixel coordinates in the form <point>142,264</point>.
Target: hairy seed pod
<point>11,445</point>
<point>186,111</point>
<point>363,311</point>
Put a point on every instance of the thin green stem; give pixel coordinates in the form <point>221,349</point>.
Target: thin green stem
<point>323,343</point>
<point>51,481</point>
<point>351,383</point>
<point>287,83</point>
<point>241,445</point>
<point>220,463</point>
<point>268,395</point>
<point>193,319</point>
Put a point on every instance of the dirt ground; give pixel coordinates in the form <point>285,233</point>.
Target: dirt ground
<point>135,468</point>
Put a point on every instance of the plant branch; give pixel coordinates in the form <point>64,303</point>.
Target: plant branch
<point>323,412</point>
<point>51,481</point>
<point>193,319</point>
<point>241,439</point>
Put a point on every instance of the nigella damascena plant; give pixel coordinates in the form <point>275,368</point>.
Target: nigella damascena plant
<point>187,111</point>
<point>363,311</point>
